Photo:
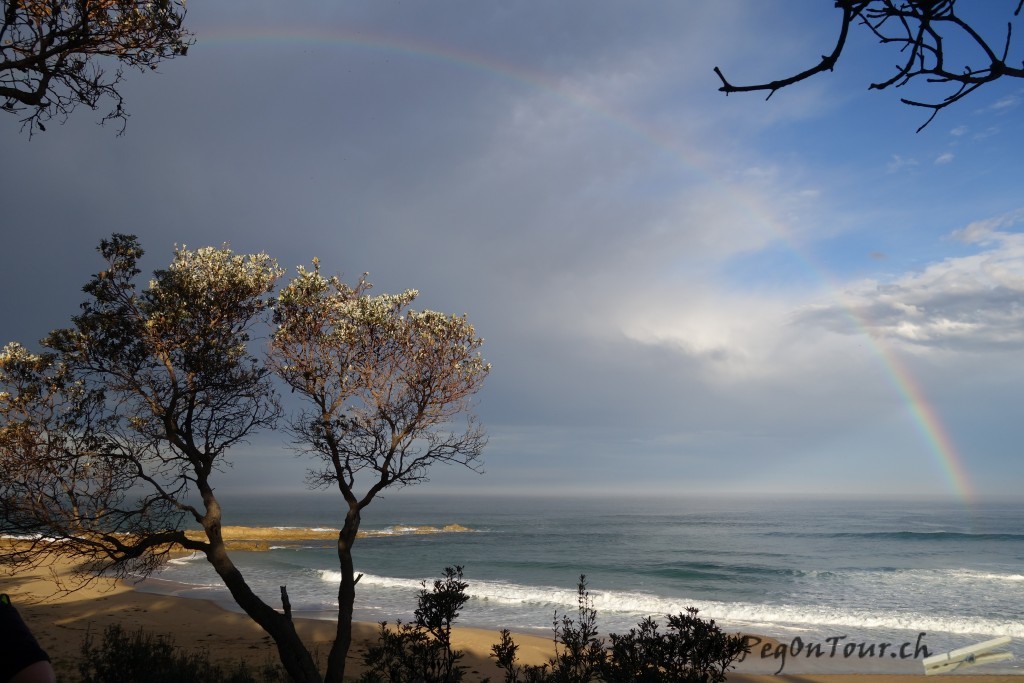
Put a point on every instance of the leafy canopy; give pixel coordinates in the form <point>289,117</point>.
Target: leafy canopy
<point>383,382</point>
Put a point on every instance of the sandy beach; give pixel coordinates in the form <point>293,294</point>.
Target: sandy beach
<point>61,621</point>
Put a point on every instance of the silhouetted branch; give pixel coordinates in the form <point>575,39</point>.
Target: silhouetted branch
<point>922,29</point>
<point>827,63</point>
<point>55,55</point>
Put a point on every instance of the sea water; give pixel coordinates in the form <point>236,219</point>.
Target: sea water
<point>828,572</point>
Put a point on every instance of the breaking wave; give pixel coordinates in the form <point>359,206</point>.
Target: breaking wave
<point>742,615</point>
<point>290,534</point>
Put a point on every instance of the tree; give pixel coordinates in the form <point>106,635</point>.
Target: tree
<point>384,385</point>
<point>938,45</point>
<point>110,441</point>
<point>108,438</point>
<point>57,54</point>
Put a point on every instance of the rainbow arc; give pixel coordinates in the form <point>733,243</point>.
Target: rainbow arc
<point>926,419</point>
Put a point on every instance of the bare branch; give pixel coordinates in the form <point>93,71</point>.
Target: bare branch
<point>851,10</point>
<point>920,29</point>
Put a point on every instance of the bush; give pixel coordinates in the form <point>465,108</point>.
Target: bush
<point>421,652</point>
<point>579,653</point>
<point>692,651</point>
<point>127,658</point>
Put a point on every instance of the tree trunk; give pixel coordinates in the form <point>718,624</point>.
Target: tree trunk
<point>346,599</point>
<point>290,649</point>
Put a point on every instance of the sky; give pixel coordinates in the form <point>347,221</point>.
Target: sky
<point>680,291</point>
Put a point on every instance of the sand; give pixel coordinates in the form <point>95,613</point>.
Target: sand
<point>61,621</point>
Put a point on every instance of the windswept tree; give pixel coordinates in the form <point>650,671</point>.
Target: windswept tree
<point>388,392</point>
<point>937,45</point>
<point>111,439</point>
<point>58,54</point>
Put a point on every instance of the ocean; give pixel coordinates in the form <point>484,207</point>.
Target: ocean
<point>825,572</point>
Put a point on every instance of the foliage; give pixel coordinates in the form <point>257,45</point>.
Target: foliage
<point>437,609</point>
<point>421,651</point>
<point>692,651</point>
<point>938,45</point>
<point>579,653</point>
<point>383,381</point>
<point>57,54</point>
<point>505,654</point>
<point>128,658</point>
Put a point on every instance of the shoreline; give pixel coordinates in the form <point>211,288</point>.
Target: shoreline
<point>61,621</point>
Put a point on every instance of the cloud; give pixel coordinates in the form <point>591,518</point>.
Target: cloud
<point>944,158</point>
<point>1007,102</point>
<point>898,163</point>
<point>1001,106</point>
<point>969,303</point>
<point>989,231</point>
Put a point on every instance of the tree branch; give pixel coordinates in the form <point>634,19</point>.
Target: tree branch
<point>851,10</point>
<point>919,28</point>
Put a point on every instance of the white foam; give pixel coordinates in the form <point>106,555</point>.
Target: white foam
<point>735,614</point>
<point>333,576</point>
<point>25,537</point>
<point>186,559</point>
<point>969,575</point>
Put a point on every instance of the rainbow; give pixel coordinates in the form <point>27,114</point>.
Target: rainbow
<point>926,419</point>
<point>929,425</point>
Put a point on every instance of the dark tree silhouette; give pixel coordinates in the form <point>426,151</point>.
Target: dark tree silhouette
<point>926,32</point>
<point>57,54</point>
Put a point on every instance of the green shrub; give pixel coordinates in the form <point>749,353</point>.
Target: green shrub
<point>579,653</point>
<point>128,658</point>
<point>421,652</point>
<point>692,651</point>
